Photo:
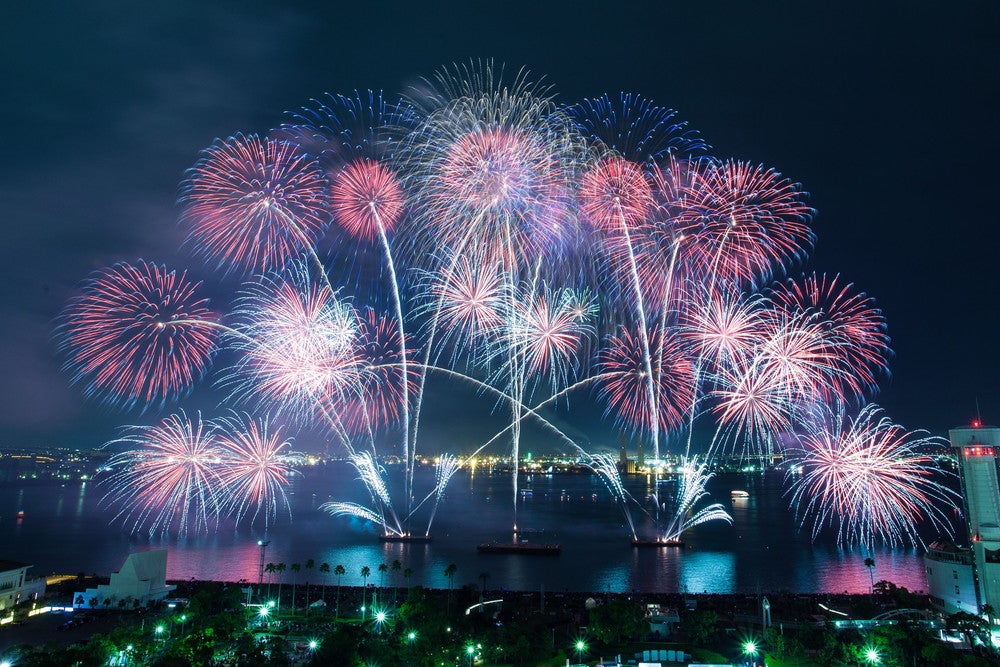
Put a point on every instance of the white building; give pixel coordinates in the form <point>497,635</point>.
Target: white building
<point>977,450</point>
<point>15,587</point>
<point>141,580</point>
<point>951,578</point>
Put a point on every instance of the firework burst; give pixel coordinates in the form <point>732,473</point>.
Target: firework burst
<point>170,480</point>
<point>138,335</point>
<point>254,204</point>
<point>866,478</point>
<point>256,468</point>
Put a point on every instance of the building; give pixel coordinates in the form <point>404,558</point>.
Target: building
<point>951,578</point>
<point>15,586</point>
<point>141,580</point>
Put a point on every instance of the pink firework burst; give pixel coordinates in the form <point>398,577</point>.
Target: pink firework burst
<point>469,301</point>
<point>299,342</point>
<point>744,221</point>
<point>547,330</point>
<point>615,194</point>
<point>256,468</point>
<point>867,478</point>
<point>380,398</point>
<point>170,479</point>
<point>509,188</point>
<point>626,388</point>
<point>852,320</point>
<point>254,204</point>
<point>752,406</point>
<point>367,199</point>
<point>137,334</point>
<point>723,326</point>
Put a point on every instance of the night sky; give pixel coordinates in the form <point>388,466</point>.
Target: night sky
<point>886,112</point>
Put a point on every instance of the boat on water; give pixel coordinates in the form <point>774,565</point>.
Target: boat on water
<point>737,493</point>
<point>657,543</point>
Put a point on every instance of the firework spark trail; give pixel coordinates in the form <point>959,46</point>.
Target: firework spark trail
<point>865,477</point>
<point>606,468</point>
<point>614,195</point>
<point>447,466</point>
<point>368,201</point>
<point>690,491</point>
<point>491,172</point>
<point>136,334</point>
<point>170,478</point>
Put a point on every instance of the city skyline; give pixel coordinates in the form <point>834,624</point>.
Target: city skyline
<point>99,186</point>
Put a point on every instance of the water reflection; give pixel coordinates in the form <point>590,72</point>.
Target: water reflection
<point>762,550</point>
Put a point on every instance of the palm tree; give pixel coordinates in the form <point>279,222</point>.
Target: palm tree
<point>270,571</point>
<point>324,569</point>
<point>365,573</point>
<point>382,569</point>
<point>339,571</point>
<point>483,576</point>
<point>280,569</point>
<point>870,564</point>
<point>396,567</point>
<point>296,568</point>
<point>310,564</point>
<point>450,573</point>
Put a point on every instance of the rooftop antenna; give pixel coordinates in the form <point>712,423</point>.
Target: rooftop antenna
<point>979,416</point>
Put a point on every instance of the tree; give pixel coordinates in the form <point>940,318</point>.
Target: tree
<point>310,564</point>
<point>382,569</point>
<point>396,567</point>
<point>450,573</point>
<point>616,621</point>
<point>280,569</point>
<point>969,626</point>
<point>271,567</point>
<point>339,571</point>
<point>324,569</point>
<point>700,626</point>
<point>296,568</point>
<point>870,564</point>
<point>365,573</point>
<point>407,573</point>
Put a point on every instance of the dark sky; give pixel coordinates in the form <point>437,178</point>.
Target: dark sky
<point>886,112</point>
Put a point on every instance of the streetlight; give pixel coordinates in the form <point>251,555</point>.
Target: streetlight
<point>471,650</point>
<point>750,650</point>
<point>183,620</point>
<point>313,644</point>
<point>872,656</point>
<point>581,648</point>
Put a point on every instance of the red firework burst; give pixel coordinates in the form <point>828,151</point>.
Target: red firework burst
<point>858,328</point>
<point>254,204</point>
<point>138,334</point>
<point>366,197</point>
<point>615,194</point>
<point>743,221</point>
<point>626,388</point>
<point>379,399</point>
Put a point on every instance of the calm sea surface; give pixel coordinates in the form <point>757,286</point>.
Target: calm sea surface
<point>66,530</point>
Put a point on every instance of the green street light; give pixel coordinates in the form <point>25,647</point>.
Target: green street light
<point>411,636</point>
<point>471,650</point>
<point>872,656</point>
<point>581,648</point>
<point>313,644</point>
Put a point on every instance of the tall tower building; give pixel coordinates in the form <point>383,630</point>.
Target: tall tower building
<point>977,450</point>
